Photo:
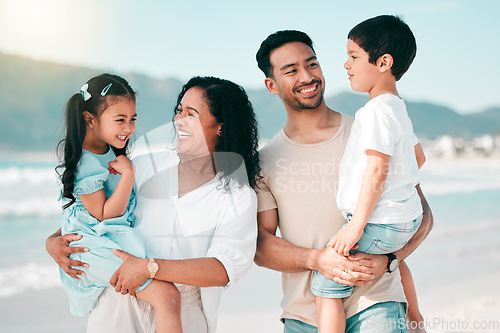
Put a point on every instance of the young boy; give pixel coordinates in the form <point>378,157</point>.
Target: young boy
<point>379,169</point>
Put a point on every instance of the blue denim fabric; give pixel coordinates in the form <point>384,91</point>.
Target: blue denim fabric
<point>376,239</point>
<point>297,326</point>
<point>386,317</point>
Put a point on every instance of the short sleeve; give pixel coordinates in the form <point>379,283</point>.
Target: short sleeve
<point>235,239</point>
<point>379,130</point>
<point>265,197</point>
<point>90,175</point>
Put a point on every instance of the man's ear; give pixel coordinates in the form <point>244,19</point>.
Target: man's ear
<point>89,118</point>
<point>271,85</point>
<point>385,62</point>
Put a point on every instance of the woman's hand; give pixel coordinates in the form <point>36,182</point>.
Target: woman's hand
<point>131,274</point>
<point>58,248</point>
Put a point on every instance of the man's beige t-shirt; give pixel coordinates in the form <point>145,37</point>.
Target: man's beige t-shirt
<point>301,181</point>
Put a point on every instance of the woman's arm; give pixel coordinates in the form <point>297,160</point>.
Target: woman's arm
<point>228,257</point>
<point>200,272</point>
<point>58,248</point>
<point>103,208</point>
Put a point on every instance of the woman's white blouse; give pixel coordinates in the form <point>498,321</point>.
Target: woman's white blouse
<point>210,221</point>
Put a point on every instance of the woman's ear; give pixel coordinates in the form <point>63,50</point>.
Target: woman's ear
<point>385,62</point>
<point>89,118</point>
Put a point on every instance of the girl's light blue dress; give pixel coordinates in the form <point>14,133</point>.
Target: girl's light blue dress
<point>99,237</point>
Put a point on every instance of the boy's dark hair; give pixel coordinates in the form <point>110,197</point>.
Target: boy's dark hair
<point>275,40</point>
<point>386,34</point>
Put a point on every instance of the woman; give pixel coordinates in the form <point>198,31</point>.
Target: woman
<point>195,210</point>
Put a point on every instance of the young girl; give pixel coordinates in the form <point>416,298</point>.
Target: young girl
<point>98,198</point>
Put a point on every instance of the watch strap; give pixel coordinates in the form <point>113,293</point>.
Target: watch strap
<point>391,257</point>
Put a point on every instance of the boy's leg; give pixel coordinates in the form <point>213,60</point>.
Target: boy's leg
<point>165,298</point>
<point>331,315</point>
<point>387,317</point>
<point>329,306</point>
<point>415,319</point>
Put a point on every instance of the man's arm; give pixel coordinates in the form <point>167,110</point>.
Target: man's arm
<point>276,253</point>
<point>423,230</point>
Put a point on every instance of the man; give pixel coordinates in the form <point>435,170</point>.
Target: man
<point>298,194</point>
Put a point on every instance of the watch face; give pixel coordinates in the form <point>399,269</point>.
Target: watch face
<point>152,266</point>
<point>394,264</point>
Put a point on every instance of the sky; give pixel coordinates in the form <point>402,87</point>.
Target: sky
<point>457,62</point>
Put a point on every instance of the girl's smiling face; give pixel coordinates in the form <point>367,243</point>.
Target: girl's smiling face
<point>114,127</point>
<point>197,128</point>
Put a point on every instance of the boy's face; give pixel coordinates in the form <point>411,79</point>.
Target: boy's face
<point>363,75</point>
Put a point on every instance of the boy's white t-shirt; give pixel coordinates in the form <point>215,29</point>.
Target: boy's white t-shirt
<point>382,125</point>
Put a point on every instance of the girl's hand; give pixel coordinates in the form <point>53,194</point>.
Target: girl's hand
<point>131,274</point>
<point>345,239</point>
<point>59,249</point>
<point>121,165</point>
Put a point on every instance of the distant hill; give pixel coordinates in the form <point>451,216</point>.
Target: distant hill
<point>33,94</point>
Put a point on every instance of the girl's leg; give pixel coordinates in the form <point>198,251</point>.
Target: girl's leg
<point>331,315</point>
<point>165,298</point>
<point>414,317</point>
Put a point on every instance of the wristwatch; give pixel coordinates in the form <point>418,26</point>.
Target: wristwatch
<point>393,262</point>
<point>152,268</point>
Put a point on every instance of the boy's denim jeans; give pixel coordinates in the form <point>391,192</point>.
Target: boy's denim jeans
<point>376,239</point>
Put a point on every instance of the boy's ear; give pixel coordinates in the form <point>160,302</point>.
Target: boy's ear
<point>385,62</point>
<point>88,117</point>
<point>271,85</point>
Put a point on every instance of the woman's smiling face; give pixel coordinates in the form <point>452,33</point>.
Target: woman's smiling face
<point>197,128</point>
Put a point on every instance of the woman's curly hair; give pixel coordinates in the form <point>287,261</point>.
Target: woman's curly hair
<point>238,139</point>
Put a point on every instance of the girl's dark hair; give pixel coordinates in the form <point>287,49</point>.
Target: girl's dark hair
<point>238,139</point>
<point>69,149</point>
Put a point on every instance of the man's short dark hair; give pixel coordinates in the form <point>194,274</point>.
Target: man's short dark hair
<point>276,40</point>
<point>386,34</point>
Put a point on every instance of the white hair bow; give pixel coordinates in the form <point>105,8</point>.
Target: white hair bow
<point>85,94</point>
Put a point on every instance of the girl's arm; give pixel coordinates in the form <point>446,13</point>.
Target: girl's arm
<point>103,208</point>
<point>372,186</point>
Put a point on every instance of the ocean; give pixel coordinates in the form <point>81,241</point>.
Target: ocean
<point>462,249</point>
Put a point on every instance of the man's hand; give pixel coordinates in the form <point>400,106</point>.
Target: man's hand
<point>131,274</point>
<point>59,249</point>
<point>342,270</point>
<point>372,265</point>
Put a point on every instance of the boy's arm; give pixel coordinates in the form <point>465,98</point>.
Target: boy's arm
<point>419,154</point>
<point>103,208</point>
<point>361,259</point>
<point>372,186</point>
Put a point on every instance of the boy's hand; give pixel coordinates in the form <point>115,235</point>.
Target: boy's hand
<point>121,165</point>
<point>345,239</point>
